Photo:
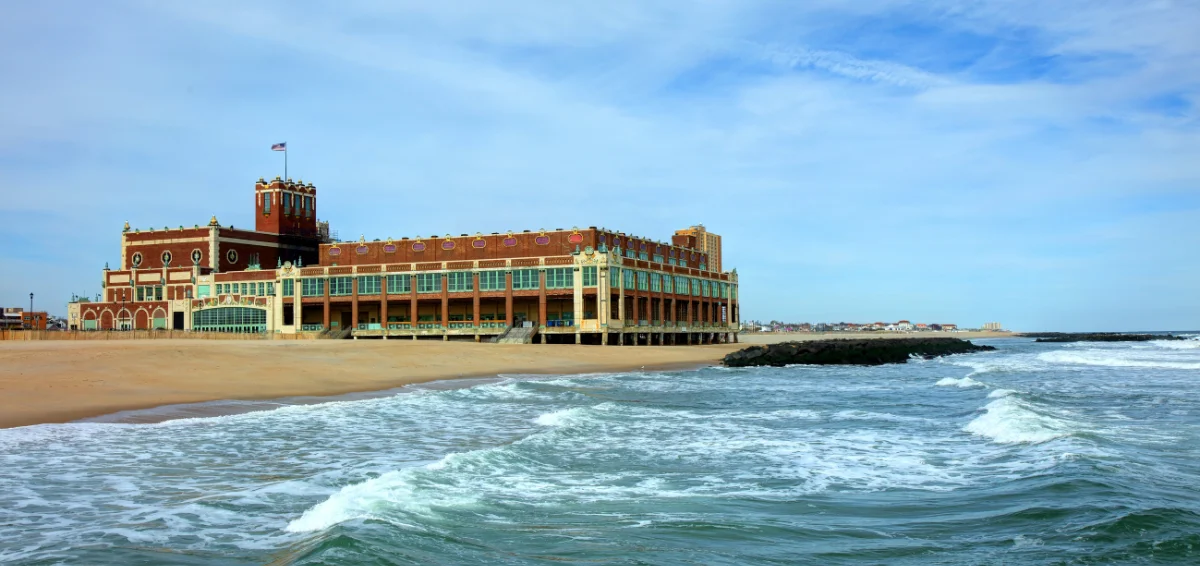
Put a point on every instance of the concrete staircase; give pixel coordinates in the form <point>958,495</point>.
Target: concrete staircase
<point>517,335</point>
<point>335,334</point>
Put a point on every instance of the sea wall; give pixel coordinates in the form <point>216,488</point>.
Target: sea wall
<point>850,352</point>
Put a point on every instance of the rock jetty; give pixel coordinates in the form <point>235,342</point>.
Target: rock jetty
<point>1097,337</point>
<point>850,352</point>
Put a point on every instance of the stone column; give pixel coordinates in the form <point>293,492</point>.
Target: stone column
<point>383,306</point>
<point>577,302</point>
<point>475,300</point>
<point>297,302</point>
<point>325,286</point>
<point>621,299</point>
<point>508,298</point>
<point>445,301</point>
<point>542,299</point>
<point>412,304</point>
<point>354,303</point>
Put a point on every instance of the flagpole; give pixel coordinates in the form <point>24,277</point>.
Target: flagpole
<point>285,177</point>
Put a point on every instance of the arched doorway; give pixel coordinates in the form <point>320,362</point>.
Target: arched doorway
<point>106,320</point>
<point>141,320</point>
<point>89,321</point>
<point>159,320</point>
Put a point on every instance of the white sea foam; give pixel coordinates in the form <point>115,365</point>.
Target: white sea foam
<point>558,418</point>
<point>1116,358</point>
<point>998,393</point>
<point>964,382</point>
<point>1009,421</point>
<point>1190,344</point>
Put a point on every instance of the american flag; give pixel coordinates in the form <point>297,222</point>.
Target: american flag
<point>279,147</point>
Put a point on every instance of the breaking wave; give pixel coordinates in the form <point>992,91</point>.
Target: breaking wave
<point>1008,420</point>
<point>964,382</point>
<point>1115,358</point>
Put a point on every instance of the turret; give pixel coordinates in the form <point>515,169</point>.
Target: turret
<point>285,207</point>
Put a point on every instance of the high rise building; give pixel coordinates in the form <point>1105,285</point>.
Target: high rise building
<point>700,239</point>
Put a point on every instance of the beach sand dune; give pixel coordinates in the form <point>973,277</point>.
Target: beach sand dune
<point>60,381</point>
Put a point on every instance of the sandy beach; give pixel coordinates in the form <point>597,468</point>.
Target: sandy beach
<point>61,381</point>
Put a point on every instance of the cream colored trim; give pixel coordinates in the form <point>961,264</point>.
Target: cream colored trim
<point>166,241</point>
<point>214,249</point>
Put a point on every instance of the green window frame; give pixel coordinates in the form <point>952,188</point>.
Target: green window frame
<point>429,283</point>
<point>267,204</point>
<point>666,283</point>
<point>643,281</point>
<point>695,287</point>
<point>590,276</point>
<point>491,281</point>
<point>560,278</point>
<point>656,282</point>
<point>369,285</point>
<point>525,279</point>
<point>312,287</point>
<point>703,266</point>
<point>230,319</point>
<point>658,258</point>
<point>341,286</point>
<point>705,288</point>
<point>398,284</point>
<point>628,278</point>
<point>643,256</point>
<point>461,281</point>
<point>289,287</point>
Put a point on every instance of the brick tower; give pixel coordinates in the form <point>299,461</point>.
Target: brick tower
<point>284,207</point>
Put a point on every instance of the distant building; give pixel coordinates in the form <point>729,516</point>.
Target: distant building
<point>993,326</point>
<point>20,319</point>
<point>949,327</point>
<point>703,241</point>
<point>11,318</point>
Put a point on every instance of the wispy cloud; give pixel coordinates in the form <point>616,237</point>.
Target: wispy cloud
<point>841,148</point>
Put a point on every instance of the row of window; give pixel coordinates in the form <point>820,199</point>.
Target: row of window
<point>522,279</point>
<point>257,289</point>
<point>291,203</point>
<point>150,293</point>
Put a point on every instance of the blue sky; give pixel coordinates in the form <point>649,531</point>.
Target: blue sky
<point>1033,163</point>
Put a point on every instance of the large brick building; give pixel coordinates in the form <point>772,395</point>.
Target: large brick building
<point>287,276</point>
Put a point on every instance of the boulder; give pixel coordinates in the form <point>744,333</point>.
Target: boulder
<point>850,352</point>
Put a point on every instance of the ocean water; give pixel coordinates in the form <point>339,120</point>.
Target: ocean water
<point>1033,454</point>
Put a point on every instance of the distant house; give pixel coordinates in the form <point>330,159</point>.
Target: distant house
<point>904,326</point>
<point>921,326</point>
<point>949,327</point>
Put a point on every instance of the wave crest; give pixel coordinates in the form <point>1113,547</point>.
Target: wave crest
<point>1009,421</point>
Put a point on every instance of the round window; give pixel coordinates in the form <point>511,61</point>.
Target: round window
<point>137,259</point>
<point>231,256</point>
<point>166,258</point>
<point>196,255</point>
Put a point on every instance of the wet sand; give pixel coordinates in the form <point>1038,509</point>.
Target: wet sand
<point>61,381</point>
